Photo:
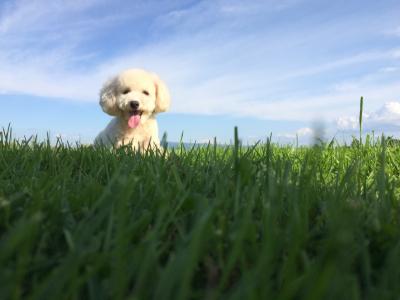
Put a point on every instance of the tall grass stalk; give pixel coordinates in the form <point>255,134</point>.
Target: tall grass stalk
<point>360,118</point>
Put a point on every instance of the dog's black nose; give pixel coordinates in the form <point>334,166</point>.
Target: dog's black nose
<point>134,104</point>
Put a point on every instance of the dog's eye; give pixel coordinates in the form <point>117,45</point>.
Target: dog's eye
<point>145,92</point>
<point>126,91</point>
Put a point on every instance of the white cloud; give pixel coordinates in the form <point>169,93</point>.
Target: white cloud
<point>347,123</point>
<point>359,58</point>
<point>23,16</point>
<point>221,13</point>
<point>386,118</point>
<point>389,113</point>
<point>389,69</point>
<point>396,53</point>
<point>38,47</point>
<point>304,132</point>
<point>255,6</point>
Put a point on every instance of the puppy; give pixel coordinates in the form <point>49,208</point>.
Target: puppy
<point>134,98</point>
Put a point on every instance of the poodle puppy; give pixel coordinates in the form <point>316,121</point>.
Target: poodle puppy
<point>133,97</point>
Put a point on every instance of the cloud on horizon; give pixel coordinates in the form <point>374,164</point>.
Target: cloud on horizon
<point>385,119</point>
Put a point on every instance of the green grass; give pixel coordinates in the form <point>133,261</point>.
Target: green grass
<point>263,222</point>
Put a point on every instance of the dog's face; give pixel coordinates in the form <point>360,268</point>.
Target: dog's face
<point>134,95</point>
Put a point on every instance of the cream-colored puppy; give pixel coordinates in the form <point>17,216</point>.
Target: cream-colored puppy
<point>134,97</point>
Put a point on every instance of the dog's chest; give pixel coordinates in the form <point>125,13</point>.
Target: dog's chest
<point>141,136</point>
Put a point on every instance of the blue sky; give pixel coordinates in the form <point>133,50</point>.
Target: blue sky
<point>267,66</point>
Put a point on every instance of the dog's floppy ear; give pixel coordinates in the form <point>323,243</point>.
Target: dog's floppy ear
<point>108,97</point>
<point>162,95</point>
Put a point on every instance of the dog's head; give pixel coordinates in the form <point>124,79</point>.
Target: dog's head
<point>134,95</point>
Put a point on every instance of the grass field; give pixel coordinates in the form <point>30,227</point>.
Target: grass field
<point>263,222</point>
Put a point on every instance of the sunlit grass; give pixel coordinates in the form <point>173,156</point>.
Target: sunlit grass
<point>262,222</point>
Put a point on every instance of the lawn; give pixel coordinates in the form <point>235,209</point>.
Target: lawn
<point>210,222</point>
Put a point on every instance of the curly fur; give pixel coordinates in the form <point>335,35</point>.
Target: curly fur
<point>153,97</point>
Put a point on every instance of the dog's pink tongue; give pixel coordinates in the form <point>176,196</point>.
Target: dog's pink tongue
<point>134,121</point>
